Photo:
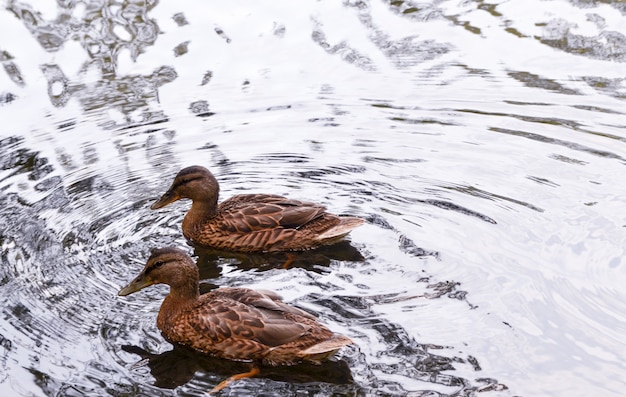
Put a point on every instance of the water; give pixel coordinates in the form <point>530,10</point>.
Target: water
<point>483,143</point>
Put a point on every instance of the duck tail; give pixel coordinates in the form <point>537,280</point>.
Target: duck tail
<point>340,230</point>
<point>326,349</point>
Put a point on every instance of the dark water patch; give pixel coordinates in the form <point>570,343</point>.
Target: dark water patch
<point>606,45</point>
<point>51,35</point>
<point>60,89</point>
<point>220,32</point>
<point>422,11</point>
<point>404,52</point>
<point>383,160</point>
<point>446,205</point>
<point>207,77</point>
<point>567,159</point>
<point>46,383</point>
<point>431,290</point>
<point>425,120</point>
<point>200,109</point>
<point>67,125</point>
<point>7,98</point>
<point>177,367</point>
<point>476,192</point>
<point>363,142</point>
<point>464,24</point>
<point>520,103</point>
<point>321,173</point>
<point>407,246</point>
<point>378,104</point>
<point>597,109</point>
<point>618,5</point>
<point>621,6</point>
<point>560,142</point>
<point>608,86</point>
<point>380,221</point>
<point>535,81</point>
<point>180,19</point>
<point>22,160</point>
<point>542,181</point>
<point>490,8</point>
<point>20,223</point>
<point>316,260</point>
<point>342,49</point>
<point>90,185</point>
<point>574,125</point>
<point>277,157</point>
<point>278,107</point>
<point>181,49</point>
<point>366,189</point>
<point>327,121</point>
<point>571,124</point>
<point>14,73</point>
<point>474,71</point>
<point>270,108</point>
<point>6,345</point>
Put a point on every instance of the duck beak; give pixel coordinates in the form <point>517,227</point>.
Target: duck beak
<point>167,198</point>
<point>139,283</point>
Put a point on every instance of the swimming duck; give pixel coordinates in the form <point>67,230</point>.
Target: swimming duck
<point>251,222</point>
<point>233,323</point>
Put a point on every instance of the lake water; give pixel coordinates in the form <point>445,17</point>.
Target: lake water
<point>484,143</point>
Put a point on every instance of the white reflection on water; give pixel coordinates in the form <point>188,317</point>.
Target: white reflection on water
<point>483,143</point>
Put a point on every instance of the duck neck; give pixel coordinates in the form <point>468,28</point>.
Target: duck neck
<point>176,302</point>
<point>200,211</point>
<point>186,292</point>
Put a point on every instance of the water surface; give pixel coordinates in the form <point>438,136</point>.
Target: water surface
<point>483,143</point>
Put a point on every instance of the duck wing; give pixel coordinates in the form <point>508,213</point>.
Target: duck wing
<point>261,299</point>
<point>252,212</point>
<point>241,330</point>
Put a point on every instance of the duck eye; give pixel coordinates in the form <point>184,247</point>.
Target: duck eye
<point>154,266</point>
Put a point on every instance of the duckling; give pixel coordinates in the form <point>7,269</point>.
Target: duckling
<point>251,222</point>
<point>237,324</point>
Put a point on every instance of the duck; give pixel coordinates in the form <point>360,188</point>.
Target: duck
<point>251,223</point>
<point>233,323</point>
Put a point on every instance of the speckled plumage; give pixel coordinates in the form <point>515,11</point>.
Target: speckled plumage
<point>251,222</point>
<point>232,323</point>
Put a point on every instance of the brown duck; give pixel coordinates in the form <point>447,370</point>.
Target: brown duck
<point>232,323</point>
<point>251,222</point>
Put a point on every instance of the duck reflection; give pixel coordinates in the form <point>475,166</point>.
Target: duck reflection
<point>178,366</point>
<point>210,260</point>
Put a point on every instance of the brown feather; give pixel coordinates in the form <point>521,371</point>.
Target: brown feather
<point>251,222</point>
<point>232,323</point>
